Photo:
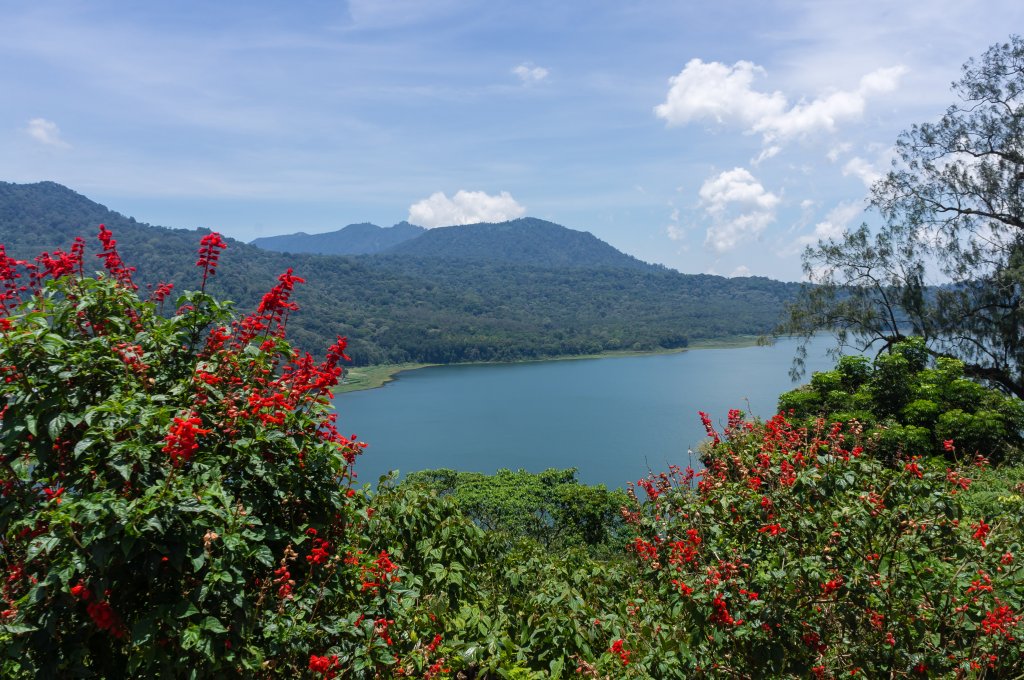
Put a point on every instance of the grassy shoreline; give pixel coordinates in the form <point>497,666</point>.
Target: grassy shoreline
<point>371,377</point>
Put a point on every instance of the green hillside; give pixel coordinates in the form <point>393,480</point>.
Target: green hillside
<point>527,241</point>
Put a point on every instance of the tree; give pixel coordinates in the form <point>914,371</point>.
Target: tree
<point>947,264</point>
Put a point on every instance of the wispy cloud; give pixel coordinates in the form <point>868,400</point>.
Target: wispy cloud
<point>465,207</point>
<point>835,224</point>
<point>46,132</point>
<point>674,230</point>
<point>530,74</point>
<point>862,170</point>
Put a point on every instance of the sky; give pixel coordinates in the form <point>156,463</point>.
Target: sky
<point>716,138</point>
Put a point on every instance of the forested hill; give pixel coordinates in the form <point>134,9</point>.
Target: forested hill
<point>355,239</point>
<point>397,308</point>
<point>525,241</point>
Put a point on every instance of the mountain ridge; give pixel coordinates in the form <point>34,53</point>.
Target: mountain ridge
<point>361,238</point>
<point>526,240</point>
<point>398,308</point>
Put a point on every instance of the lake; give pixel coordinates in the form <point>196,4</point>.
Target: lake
<point>612,418</point>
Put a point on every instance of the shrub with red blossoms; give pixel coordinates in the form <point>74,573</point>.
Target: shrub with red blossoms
<point>159,476</point>
<point>832,564</point>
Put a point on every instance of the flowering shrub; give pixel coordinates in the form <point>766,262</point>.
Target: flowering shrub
<point>795,554</point>
<point>174,493</point>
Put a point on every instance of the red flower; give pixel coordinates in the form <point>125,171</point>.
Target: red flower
<point>773,529</point>
<point>981,531</point>
<point>831,586</point>
<point>276,300</point>
<point>181,440</point>
<point>325,665</point>
<point>721,615</point>
<point>210,247</point>
<point>1000,621</point>
<point>319,554</point>
<point>434,643</point>
<point>283,579</point>
<point>54,494</point>
<point>709,427</point>
<point>81,592</point>
<point>683,588</point>
<point>112,261</point>
<point>618,647</point>
<point>161,292</point>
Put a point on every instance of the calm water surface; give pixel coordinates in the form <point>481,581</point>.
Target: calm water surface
<point>613,419</point>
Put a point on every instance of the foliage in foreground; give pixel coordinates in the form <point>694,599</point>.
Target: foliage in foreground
<point>908,408</point>
<point>550,507</point>
<point>175,499</point>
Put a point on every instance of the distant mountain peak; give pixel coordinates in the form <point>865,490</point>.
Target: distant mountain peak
<point>362,238</point>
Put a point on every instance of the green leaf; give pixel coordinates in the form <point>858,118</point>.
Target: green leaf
<point>190,610</point>
<point>17,628</point>
<point>124,468</point>
<point>56,425</point>
<point>264,556</point>
<point>41,546</point>
<point>211,624</point>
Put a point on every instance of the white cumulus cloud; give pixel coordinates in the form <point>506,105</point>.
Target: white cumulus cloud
<point>726,95</point>
<point>739,207</point>
<point>46,132</point>
<point>530,74</point>
<point>465,207</point>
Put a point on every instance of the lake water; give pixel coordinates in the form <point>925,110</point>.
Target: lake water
<point>613,418</point>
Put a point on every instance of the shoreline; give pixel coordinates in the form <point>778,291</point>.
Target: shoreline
<point>359,378</point>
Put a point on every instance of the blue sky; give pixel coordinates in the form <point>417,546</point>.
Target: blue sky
<point>709,137</point>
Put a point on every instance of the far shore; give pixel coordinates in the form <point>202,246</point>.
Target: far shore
<point>370,377</point>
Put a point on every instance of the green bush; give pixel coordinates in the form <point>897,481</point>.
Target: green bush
<point>909,409</point>
<point>550,507</point>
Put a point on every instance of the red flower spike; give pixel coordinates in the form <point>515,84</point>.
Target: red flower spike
<point>210,247</point>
